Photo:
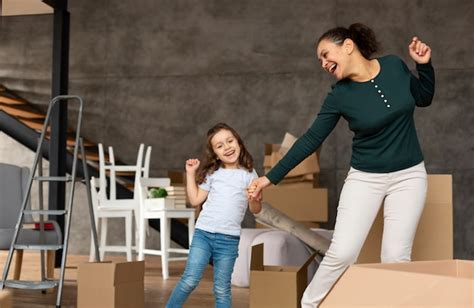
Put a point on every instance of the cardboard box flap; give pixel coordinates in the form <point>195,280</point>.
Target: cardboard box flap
<point>256,260</point>
<point>267,161</point>
<point>308,262</point>
<point>127,272</point>
<point>287,143</point>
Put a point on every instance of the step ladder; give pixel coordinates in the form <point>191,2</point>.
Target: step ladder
<point>46,282</point>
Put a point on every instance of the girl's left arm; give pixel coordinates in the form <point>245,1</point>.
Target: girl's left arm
<point>255,206</point>
<point>422,88</point>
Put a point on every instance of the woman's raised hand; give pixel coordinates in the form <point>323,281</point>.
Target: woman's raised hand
<point>419,51</point>
<point>254,190</point>
<point>192,165</point>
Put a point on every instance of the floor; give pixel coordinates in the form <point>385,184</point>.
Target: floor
<point>157,290</point>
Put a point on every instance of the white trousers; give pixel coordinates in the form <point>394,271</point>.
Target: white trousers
<point>403,194</point>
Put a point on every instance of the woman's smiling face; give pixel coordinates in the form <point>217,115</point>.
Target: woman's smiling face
<point>333,58</point>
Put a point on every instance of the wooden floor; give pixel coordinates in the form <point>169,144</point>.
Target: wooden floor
<point>157,290</point>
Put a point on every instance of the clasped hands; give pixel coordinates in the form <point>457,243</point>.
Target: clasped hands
<point>254,190</point>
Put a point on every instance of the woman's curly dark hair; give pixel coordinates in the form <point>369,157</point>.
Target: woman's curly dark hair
<point>363,37</point>
<point>211,163</point>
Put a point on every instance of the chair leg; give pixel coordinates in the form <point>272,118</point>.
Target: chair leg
<point>18,263</point>
<point>141,239</point>
<point>103,237</point>
<point>128,236</point>
<point>50,257</point>
<point>164,247</point>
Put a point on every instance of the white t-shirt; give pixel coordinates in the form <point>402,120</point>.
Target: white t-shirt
<point>226,203</point>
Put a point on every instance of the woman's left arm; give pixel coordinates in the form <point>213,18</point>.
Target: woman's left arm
<point>422,88</point>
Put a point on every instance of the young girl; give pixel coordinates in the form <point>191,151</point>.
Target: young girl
<point>223,177</point>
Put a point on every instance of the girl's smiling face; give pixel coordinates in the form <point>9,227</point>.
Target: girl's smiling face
<point>227,148</point>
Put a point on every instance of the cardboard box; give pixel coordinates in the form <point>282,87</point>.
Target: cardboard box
<point>434,236</point>
<point>447,283</point>
<point>5,299</point>
<point>276,286</point>
<point>301,204</point>
<point>107,284</point>
<point>273,156</point>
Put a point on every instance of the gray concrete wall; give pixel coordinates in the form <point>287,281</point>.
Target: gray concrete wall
<point>162,72</point>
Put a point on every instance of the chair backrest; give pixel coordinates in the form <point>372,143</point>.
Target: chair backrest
<point>138,170</point>
<point>146,163</point>
<point>154,182</point>
<point>146,183</point>
<point>142,169</point>
<point>102,174</point>
<point>13,186</point>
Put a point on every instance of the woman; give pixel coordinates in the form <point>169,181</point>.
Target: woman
<point>377,96</point>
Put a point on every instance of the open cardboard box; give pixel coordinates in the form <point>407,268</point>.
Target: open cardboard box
<point>286,283</point>
<point>446,283</point>
<point>111,284</point>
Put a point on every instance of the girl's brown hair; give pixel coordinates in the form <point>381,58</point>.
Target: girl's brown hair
<point>211,163</point>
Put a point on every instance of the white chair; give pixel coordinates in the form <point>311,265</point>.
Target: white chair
<point>140,169</point>
<point>111,207</point>
<point>103,211</point>
<point>165,216</point>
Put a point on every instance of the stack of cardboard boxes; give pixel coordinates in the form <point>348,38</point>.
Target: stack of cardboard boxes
<point>306,174</point>
<point>178,195</point>
<point>298,195</point>
<point>178,182</point>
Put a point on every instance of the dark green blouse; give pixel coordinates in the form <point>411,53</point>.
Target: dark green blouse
<point>379,112</point>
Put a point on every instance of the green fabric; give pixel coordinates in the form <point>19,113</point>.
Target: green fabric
<point>385,138</point>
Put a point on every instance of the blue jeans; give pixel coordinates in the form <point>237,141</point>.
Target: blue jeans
<point>221,250</point>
